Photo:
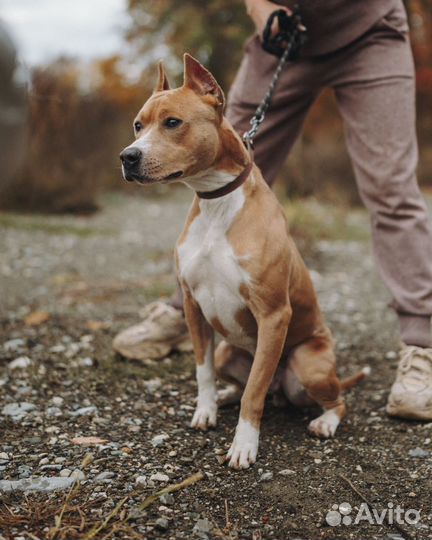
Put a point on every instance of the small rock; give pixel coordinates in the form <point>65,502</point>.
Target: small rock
<point>43,483</point>
<point>159,477</point>
<point>24,471</point>
<point>44,461</point>
<point>57,401</point>
<point>266,477</point>
<point>418,452</point>
<point>53,412</point>
<point>158,440</point>
<point>86,362</point>
<point>13,345</point>
<point>77,475</point>
<point>162,523</point>
<point>152,385</point>
<point>65,473</point>
<point>22,362</point>
<point>167,498</point>
<point>106,475</point>
<point>4,456</point>
<point>141,481</point>
<point>84,411</point>
<point>286,472</point>
<point>18,410</point>
<point>203,526</point>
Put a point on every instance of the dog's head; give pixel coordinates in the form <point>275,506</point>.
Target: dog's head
<point>176,131</point>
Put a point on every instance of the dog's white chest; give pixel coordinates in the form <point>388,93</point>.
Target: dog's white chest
<point>210,267</point>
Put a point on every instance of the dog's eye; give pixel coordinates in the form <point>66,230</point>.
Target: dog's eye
<point>137,127</point>
<point>172,122</point>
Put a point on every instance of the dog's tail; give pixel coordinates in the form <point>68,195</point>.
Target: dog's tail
<point>349,382</point>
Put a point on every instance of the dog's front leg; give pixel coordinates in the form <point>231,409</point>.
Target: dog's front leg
<point>202,336</point>
<point>272,331</point>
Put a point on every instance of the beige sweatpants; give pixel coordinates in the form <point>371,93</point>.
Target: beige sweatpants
<point>374,84</point>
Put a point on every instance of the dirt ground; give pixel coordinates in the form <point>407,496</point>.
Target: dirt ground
<point>68,284</point>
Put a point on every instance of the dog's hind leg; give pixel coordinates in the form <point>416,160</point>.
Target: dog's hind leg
<point>314,365</point>
<point>232,366</point>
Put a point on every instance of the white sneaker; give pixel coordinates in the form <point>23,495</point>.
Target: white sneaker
<point>162,330</point>
<point>411,394</point>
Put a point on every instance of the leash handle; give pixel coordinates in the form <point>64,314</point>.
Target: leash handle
<point>293,33</point>
<point>291,28</point>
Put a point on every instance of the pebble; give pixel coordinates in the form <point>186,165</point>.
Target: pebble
<point>78,475</point>
<point>84,411</point>
<point>152,385</point>
<point>286,472</point>
<point>57,401</point>
<point>106,475</point>
<point>86,362</point>
<point>22,362</point>
<point>24,471</point>
<point>53,411</point>
<point>13,345</point>
<point>203,525</point>
<point>43,483</point>
<point>167,498</point>
<point>65,473</point>
<point>266,477</point>
<point>141,481</point>
<point>162,523</point>
<point>158,440</point>
<point>418,452</point>
<point>18,410</point>
<point>4,456</point>
<point>159,477</point>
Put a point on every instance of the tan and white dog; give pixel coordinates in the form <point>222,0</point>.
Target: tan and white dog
<point>240,271</point>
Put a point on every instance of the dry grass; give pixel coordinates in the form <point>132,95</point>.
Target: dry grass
<point>73,143</point>
<point>77,515</point>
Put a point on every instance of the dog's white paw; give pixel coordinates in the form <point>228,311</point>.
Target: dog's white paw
<point>204,417</point>
<point>244,448</point>
<point>325,425</point>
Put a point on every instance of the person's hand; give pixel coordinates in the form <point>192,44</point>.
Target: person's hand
<point>260,10</point>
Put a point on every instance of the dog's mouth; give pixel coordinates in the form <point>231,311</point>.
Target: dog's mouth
<point>146,180</point>
<point>174,175</point>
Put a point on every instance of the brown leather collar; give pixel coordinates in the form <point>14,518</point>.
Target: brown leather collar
<point>224,190</point>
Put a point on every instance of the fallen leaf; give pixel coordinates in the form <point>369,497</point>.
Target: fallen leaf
<point>36,318</point>
<point>89,440</point>
<point>94,326</point>
<point>88,458</point>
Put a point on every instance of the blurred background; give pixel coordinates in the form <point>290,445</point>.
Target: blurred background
<point>83,69</point>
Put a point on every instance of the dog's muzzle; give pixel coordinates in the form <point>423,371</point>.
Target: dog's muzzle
<point>131,159</point>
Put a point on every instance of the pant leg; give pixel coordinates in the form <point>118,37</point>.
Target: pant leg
<point>375,91</point>
<point>296,91</point>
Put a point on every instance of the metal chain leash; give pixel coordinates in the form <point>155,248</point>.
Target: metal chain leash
<point>294,34</point>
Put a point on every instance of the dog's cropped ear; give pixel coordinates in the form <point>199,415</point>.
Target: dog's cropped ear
<point>162,83</point>
<point>199,79</point>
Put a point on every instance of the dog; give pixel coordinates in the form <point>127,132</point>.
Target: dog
<point>240,271</point>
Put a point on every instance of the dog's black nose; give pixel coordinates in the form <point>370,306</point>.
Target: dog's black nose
<point>130,157</point>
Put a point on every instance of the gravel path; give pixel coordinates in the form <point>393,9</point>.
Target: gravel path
<point>68,284</point>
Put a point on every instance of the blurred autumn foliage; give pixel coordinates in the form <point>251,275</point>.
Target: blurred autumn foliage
<point>81,115</point>
<point>76,133</point>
